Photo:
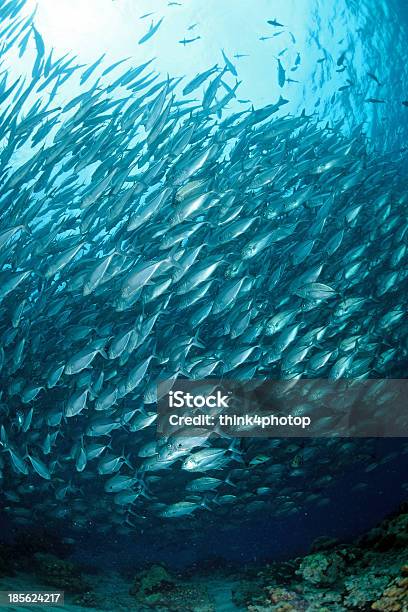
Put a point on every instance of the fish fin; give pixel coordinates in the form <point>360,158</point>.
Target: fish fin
<point>228,480</point>
<point>172,258</point>
<point>184,372</point>
<point>147,495</point>
<point>204,504</point>
<point>235,450</point>
<point>127,461</point>
<point>196,342</point>
<point>91,392</point>
<point>3,438</point>
<point>282,100</point>
<point>234,446</point>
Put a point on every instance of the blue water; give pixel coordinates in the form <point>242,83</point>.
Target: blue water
<point>371,35</point>
<point>261,538</point>
<point>331,47</point>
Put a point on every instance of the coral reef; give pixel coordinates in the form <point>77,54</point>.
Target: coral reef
<point>59,573</point>
<point>157,589</point>
<point>90,599</point>
<point>395,596</point>
<point>18,556</point>
<point>152,582</point>
<point>283,600</point>
<point>322,568</point>
<point>371,574</point>
<point>391,534</point>
<point>364,588</point>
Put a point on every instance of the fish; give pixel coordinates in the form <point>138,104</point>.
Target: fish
<point>281,74</point>
<point>151,31</point>
<point>203,483</point>
<point>40,468</point>
<point>375,101</point>
<point>113,66</point>
<point>150,237</point>
<point>275,23</point>
<point>341,58</point>
<point>188,41</point>
<point>204,460</point>
<point>229,65</point>
<point>315,291</point>
<point>178,509</point>
<point>373,77</point>
<point>119,482</point>
<point>87,73</point>
<point>199,80</point>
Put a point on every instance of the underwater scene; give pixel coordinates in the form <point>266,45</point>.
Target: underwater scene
<point>197,195</point>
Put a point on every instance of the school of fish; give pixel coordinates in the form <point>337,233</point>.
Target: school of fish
<point>147,236</point>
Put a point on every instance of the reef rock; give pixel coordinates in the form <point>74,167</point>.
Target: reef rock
<point>59,573</point>
<point>156,588</point>
<point>395,596</point>
<point>322,568</point>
